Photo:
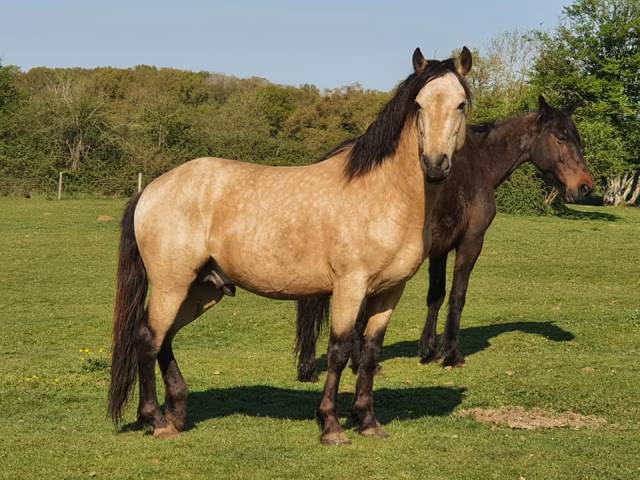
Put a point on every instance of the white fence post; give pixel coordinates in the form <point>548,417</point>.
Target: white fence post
<point>139,182</point>
<point>60,186</point>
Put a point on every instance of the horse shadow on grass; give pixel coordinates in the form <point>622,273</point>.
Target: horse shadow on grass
<point>476,339</point>
<point>569,213</point>
<point>266,401</point>
<point>473,339</point>
<point>282,403</point>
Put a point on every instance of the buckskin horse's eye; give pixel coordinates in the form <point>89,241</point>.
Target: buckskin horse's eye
<point>462,106</point>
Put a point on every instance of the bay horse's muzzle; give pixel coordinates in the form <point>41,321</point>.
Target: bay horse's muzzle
<point>436,171</point>
<point>582,189</point>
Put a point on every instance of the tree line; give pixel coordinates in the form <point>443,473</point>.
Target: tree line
<point>102,126</point>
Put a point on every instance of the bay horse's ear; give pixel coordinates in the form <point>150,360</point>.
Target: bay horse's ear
<point>570,109</point>
<point>419,62</point>
<point>543,107</point>
<point>464,62</point>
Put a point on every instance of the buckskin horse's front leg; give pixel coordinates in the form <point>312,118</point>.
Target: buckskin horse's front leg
<point>379,310</point>
<point>348,295</point>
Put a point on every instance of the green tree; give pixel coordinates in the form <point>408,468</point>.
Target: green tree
<point>8,92</point>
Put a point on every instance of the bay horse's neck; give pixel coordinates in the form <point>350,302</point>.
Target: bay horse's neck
<point>507,145</point>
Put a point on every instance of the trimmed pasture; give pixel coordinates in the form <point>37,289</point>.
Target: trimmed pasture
<point>552,323</point>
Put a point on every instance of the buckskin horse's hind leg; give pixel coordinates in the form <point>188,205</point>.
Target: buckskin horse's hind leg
<point>171,306</point>
<point>163,307</point>
<point>202,296</point>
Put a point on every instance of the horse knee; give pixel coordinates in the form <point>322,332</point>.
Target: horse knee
<point>339,351</point>
<point>179,391</point>
<point>145,343</point>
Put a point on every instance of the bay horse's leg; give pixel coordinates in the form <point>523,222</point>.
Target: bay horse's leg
<point>428,348</point>
<point>380,308</point>
<point>201,297</point>
<point>466,256</point>
<point>348,295</point>
<point>361,324</point>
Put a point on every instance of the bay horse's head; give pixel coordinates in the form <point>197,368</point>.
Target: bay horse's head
<point>557,152</point>
<point>443,103</point>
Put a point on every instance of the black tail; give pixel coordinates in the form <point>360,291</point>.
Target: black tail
<point>311,315</point>
<point>131,292</point>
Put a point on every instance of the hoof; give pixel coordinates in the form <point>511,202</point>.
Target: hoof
<point>307,372</point>
<point>166,433</point>
<point>453,360</point>
<point>308,377</point>
<point>429,357</point>
<point>177,422</point>
<point>334,438</point>
<point>375,431</point>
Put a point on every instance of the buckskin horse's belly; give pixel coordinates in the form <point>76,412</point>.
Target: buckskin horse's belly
<point>276,271</point>
<point>271,246</point>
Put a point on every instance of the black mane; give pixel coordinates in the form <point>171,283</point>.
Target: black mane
<point>482,127</point>
<point>381,138</point>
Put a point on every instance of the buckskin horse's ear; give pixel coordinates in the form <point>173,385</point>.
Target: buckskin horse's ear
<point>419,62</point>
<point>464,62</point>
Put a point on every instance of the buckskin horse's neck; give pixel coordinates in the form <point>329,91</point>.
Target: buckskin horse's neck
<point>507,145</point>
<point>402,175</point>
<point>404,188</point>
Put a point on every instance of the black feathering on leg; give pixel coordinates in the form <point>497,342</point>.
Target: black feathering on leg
<point>337,358</point>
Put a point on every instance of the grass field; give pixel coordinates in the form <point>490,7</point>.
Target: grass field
<point>552,322</point>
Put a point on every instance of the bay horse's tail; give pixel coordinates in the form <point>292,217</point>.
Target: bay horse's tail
<point>131,292</point>
<point>312,313</point>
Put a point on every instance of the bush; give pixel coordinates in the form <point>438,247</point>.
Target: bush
<point>523,194</point>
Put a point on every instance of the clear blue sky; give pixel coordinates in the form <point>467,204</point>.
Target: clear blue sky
<point>325,42</point>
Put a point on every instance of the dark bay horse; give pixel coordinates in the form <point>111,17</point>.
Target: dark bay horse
<point>462,214</point>
<point>353,226</point>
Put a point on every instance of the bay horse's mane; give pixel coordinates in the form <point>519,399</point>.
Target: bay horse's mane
<point>482,127</point>
<point>382,137</point>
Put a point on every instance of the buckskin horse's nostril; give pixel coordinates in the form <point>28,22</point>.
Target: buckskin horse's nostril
<point>446,163</point>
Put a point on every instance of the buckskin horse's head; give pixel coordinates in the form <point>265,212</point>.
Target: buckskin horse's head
<point>441,117</point>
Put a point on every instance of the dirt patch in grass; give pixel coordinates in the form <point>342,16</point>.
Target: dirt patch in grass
<point>104,218</point>
<point>518,417</point>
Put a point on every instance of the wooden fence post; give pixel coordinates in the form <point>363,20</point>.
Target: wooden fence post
<point>139,182</point>
<point>60,186</point>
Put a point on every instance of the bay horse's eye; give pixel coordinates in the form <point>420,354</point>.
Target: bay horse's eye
<point>562,136</point>
<point>462,106</point>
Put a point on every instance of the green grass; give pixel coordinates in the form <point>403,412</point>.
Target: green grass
<point>549,297</point>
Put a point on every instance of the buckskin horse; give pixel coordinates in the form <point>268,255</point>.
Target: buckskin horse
<point>462,214</point>
<point>353,226</point>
